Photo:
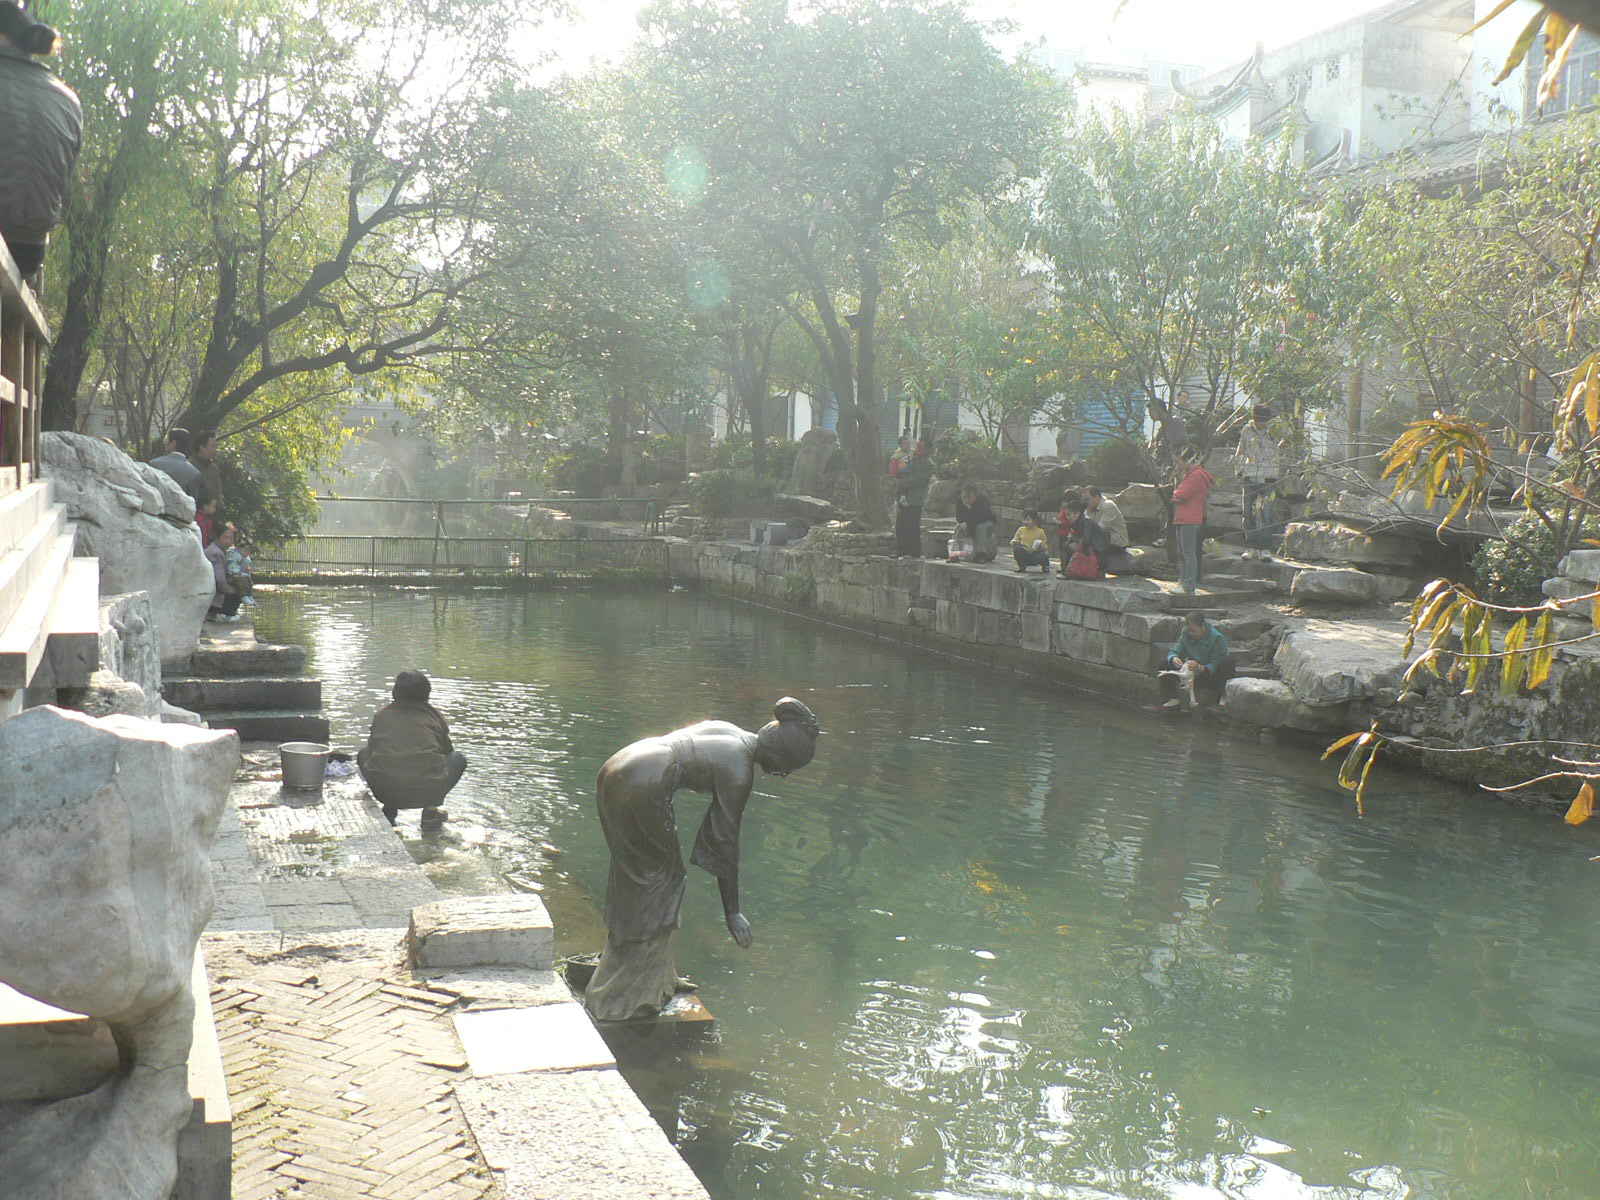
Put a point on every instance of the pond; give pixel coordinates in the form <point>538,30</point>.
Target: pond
<point>1013,941</point>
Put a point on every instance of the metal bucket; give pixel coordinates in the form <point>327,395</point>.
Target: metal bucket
<point>304,764</point>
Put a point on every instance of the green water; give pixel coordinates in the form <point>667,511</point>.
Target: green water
<point>1014,942</point>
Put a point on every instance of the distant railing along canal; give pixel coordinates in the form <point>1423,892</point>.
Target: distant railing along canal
<point>495,543</point>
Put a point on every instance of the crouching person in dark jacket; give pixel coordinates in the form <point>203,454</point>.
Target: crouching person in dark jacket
<point>1202,648</point>
<point>409,761</point>
<point>40,135</point>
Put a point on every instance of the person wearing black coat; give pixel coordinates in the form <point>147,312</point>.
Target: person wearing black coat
<point>41,132</point>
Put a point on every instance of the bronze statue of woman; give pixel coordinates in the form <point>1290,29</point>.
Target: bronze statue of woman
<point>638,972</point>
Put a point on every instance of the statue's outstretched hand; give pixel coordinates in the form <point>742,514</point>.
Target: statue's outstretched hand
<point>740,928</point>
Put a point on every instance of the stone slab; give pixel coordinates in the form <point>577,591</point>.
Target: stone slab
<point>1334,662</point>
<point>1336,586</point>
<point>1270,703</point>
<point>556,1136</point>
<point>548,1037</point>
<point>497,987</point>
<point>508,930</point>
<point>1582,565</point>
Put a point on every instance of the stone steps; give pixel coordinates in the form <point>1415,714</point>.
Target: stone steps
<point>233,660</point>
<point>254,693</point>
<point>269,725</point>
<point>49,601</point>
<point>236,682</point>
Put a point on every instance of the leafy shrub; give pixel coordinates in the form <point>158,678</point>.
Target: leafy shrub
<point>582,469</point>
<point>1115,463</point>
<point>780,456</point>
<point>1510,571</point>
<point>800,588</point>
<point>967,454</point>
<point>662,459</point>
<point>730,492</point>
<point>267,498</point>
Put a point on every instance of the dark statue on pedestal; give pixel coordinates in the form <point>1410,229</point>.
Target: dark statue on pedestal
<point>638,974</point>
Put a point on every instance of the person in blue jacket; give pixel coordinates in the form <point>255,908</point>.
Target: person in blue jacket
<point>1205,651</point>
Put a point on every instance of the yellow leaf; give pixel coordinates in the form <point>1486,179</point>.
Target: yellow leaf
<point>1594,616</point>
<point>1582,805</point>
<point>1543,655</point>
<point>1340,745</point>
<point>1591,410</point>
<point>1498,9</point>
<point>1519,48</point>
<point>1512,665</point>
<point>1559,36</point>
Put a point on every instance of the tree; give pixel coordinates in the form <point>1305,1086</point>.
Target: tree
<point>581,310</point>
<point>831,136</point>
<point>964,322</point>
<point>136,67</point>
<point>1178,261</point>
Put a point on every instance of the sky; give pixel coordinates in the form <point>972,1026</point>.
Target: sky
<point>1210,33</point>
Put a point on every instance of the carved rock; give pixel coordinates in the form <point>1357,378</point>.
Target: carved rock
<point>106,828</point>
<point>811,460</point>
<point>130,646</point>
<point>140,525</point>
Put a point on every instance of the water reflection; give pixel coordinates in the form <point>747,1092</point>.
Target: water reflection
<point>1012,942</point>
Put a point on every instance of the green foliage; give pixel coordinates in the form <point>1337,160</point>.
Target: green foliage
<point>800,588</point>
<point>582,469</point>
<point>267,497</point>
<point>662,459</point>
<point>967,454</point>
<point>1115,463</point>
<point>1511,570</point>
<point>731,492</point>
<point>1180,260</point>
<point>780,457</point>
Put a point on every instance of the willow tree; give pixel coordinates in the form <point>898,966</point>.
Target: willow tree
<point>829,135</point>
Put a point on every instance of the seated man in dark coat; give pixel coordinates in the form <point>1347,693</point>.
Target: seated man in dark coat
<point>408,760</point>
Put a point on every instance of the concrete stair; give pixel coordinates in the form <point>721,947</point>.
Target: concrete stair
<point>254,688</point>
<point>49,601</point>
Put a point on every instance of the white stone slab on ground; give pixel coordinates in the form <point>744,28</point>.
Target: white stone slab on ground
<point>610,1148</point>
<point>470,931</point>
<point>551,1037</point>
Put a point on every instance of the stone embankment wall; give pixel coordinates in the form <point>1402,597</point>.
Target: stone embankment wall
<point>1106,636</point>
<point>1304,675</point>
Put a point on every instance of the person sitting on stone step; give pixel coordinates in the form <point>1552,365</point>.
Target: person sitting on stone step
<point>409,760</point>
<point>1030,545</point>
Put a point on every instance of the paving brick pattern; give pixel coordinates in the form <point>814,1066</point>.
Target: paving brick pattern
<point>342,1080</point>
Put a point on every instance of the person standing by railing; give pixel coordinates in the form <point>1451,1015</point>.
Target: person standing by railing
<point>41,133</point>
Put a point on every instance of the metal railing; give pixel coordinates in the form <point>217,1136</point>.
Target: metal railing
<point>503,557</point>
<point>447,516</point>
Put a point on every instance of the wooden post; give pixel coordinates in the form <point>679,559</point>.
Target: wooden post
<point>1529,423</point>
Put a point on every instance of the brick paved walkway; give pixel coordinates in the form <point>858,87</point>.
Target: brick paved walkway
<point>341,1073</point>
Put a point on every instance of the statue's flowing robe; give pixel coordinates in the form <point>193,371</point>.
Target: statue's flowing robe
<point>644,891</point>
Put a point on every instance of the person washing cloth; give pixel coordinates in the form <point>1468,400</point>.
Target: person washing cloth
<point>409,760</point>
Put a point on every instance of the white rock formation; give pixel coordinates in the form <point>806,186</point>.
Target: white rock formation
<point>140,524</point>
<point>105,830</point>
<point>1335,662</point>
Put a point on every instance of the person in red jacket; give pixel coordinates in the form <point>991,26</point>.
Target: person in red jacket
<point>1189,515</point>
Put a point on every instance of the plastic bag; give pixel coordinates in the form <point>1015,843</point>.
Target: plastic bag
<point>959,548</point>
